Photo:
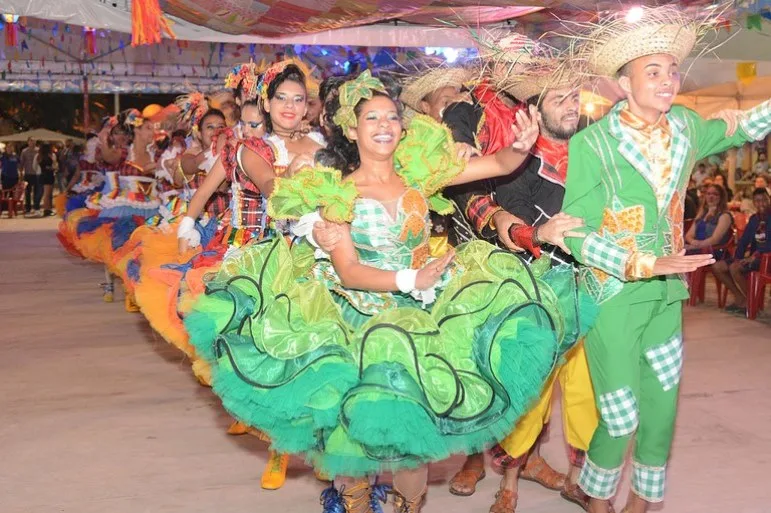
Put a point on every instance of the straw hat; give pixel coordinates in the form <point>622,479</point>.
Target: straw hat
<point>540,76</point>
<point>418,88</point>
<point>616,40</point>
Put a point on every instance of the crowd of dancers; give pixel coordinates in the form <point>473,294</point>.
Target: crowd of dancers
<point>376,274</point>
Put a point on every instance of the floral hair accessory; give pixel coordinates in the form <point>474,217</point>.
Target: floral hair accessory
<point>351,93</point>
<point>273,71</point>
<point>192,107</point>
<point>247,76</point>
<point>134,118</point>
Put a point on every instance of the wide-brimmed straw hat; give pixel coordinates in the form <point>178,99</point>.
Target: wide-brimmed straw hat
<point>540,76</point>
<point>416,89</point>
<point>611,42</point>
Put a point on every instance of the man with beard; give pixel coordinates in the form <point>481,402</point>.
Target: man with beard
<point>522,211</point>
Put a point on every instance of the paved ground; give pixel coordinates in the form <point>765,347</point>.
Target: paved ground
<point>99,415</point>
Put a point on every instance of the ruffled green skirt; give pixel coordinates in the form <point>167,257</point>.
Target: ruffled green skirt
<point>366,394</point>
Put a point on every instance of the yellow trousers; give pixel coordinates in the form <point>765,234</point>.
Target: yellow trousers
<point>579,413</point>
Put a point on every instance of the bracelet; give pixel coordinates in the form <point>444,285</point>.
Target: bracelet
<point>405,280</point>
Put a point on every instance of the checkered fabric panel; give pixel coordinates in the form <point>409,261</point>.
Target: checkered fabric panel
<point>757,121</point>
<point>667,361</point>
<point>649,482</point>
<point>598,482</point>
<point>619,411</point>
<point>605,255</point>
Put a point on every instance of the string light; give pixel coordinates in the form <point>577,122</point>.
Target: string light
<point>634,14</point>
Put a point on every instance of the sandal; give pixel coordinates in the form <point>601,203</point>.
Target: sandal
<point>573,493</point>
<point>505,502</point>
<point>464,483</point>
<point>537,470</point>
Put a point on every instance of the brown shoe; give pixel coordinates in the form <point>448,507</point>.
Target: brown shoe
<point>505,502</point>
<point>573,493</point>
<point>537,470</point>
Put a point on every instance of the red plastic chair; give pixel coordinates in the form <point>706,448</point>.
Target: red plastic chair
<point>756,287</point>
<point>13,199</point>
<point>698,279</point>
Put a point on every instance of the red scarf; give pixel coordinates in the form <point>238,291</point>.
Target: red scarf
<point>495,132</point>
<point>554,159</point>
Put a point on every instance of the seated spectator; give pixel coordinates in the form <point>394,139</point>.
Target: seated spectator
<point>712,225</point>
<point>761,182</point>
<point>761,166</point>
<point>753,243</point>
<point>720,180</point>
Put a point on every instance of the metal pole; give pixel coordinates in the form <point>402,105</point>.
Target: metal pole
<point>86,113</point>
<point>117,103</point>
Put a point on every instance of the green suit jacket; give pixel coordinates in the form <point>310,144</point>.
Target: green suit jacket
<point>610,185</point>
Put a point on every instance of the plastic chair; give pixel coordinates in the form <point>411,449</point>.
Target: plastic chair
<point>698,278</point>
<point>756,286</point>
<point>13,199</point>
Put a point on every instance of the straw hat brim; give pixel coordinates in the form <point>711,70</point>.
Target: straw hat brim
<point>416,90</point>
<point>525,87</point>
<point>610,55</point>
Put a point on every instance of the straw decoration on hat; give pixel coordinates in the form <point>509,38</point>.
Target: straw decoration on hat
<point>416,88</point>
<point>603,47</point>
<point>540,75</point>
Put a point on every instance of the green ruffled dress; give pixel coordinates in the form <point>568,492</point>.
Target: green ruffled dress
<point>362,382</point>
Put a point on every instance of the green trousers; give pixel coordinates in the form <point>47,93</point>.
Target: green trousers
<point>635,355</point>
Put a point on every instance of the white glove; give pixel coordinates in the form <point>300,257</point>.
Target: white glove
<point>188,232</point>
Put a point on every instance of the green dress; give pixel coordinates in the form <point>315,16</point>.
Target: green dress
<point>364,382</point>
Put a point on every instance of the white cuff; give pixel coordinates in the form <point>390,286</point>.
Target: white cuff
<point>304,227</point>
<point>187,231</point>
<point>405,280</point>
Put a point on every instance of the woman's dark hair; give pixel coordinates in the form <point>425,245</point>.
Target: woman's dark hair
<point>722,205</point>
<point>122,125</point>
<point>209,113</point>
<point>291,74</point>
<point>340,153</point>
<point>330,85</point>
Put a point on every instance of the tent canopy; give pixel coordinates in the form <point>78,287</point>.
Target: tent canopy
<point>40,134</point>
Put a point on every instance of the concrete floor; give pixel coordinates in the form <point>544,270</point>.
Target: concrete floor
<point>101,415</point>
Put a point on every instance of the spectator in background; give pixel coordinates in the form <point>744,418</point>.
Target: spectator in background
<point>761,166</point>
<point>700,174</point>
<point>46,163</point>
<point>761,182</point>
<point>9,163</point>
<point>61,156</point>
<point>34,190</point>
<point>720,179</point>
<point>712,225</point>
<point>69,167</point>
<point>754,242</point>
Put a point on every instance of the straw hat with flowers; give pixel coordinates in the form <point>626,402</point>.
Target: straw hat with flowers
<point>417,88</point>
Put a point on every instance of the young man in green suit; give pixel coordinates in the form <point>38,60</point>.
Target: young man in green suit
<point>627,179</point>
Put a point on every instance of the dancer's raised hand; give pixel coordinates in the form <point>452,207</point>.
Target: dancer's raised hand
<point>526,129</point>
